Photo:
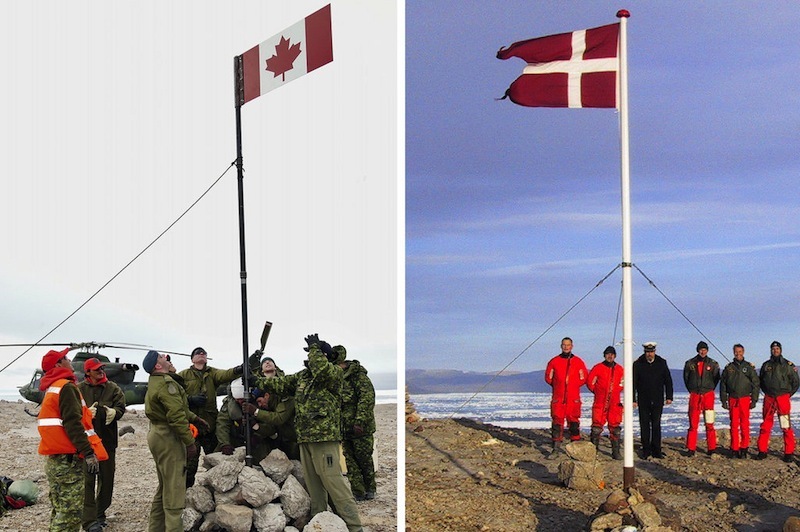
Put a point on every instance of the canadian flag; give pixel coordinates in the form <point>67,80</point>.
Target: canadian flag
<point>576,69</point>
<point>294,52</point>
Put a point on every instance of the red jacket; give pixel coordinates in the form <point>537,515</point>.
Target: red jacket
<point>566,374</point>
<point>605,381</point>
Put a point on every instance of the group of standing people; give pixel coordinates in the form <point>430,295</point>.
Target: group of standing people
<point>78,441</point>
<point>317,415</point>
<point>740,386</point>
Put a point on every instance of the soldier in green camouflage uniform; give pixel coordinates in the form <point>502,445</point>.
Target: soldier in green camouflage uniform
<point>201,382</point>
<point>170,440</point>
<point>317,392</point>
<point>108,405</point>
<point>358,424</point>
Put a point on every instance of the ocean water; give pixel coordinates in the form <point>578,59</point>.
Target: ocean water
<point>532,410</point>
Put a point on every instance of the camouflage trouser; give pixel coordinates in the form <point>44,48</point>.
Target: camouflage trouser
<point>65,477</point>
<point>360,469</point>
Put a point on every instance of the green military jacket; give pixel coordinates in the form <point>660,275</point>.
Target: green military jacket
<point>106,394</point>
<point>739,379</point>
<point>317,392</point>
<point>358,400</point>
<point>205,382</point>
<point>165,404</point>
<point>704,383</point>
<point>778,376</point>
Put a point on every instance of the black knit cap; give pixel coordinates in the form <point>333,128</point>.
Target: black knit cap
<point>775,344</point>
<point>701,345</point>
<point>609,349</point>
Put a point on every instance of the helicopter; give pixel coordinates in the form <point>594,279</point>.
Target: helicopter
<point>121,373</point>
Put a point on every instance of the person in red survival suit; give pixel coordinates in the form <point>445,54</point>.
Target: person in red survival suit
<point>566,373</point>
<point>605,382</point>
<point>701,375</point>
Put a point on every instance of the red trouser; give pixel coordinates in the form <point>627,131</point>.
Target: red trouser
<point>740,422</point>
<point>602,413</point>
<point>780,405</point>
<point>569,412</point>
<point>698,403</point>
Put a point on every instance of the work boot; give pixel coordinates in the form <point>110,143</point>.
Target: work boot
<point>761,455</point>
<point>788,457</point>
<point>615,454</point>
<point>691,453</point>
<point>96,527</point>
<point>369,495</point>
<point>743,454</point>
<point>575,431</point>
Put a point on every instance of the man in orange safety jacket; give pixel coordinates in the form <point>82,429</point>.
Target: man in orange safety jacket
<point>605,382</point>
<point>68,441</point>
<point>566,373</point>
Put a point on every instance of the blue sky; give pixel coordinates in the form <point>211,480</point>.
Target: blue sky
<point>513,213</point>
<point>116,116</point>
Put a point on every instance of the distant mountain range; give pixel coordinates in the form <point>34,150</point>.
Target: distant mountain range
<point>454,381</point>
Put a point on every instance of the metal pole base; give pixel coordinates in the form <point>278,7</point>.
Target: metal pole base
<point>627,477</point>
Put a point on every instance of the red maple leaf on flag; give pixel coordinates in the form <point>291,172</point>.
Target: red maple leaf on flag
<point>281,61</point>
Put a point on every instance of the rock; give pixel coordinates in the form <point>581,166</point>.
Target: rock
<point>233,496</point>
<point>721,497</point>
<point>296,502</point>
<point>290,529</point>
<point>269,518</point>
<point>582,451</point>
<point>257,489</point>
<point>234,518</point>
<point>277,466</point>
<point>126,429</point>
<point>635,497</point>
<point>214,459</point>
<point>739,508</point>
<point>582,476</point>
<point>792,524</point>
<point>297,472</point>
<point>602,522</point>
<point>200,498</point>
<point>326,522</point>
<point>191,518</point>
<point>223,476</point>
<point>647,514</point>
<point>209,523</point>
<point>616,500</point>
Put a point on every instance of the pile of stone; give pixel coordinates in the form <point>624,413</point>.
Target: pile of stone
<point>411,411</point>
<point>628,510</point>
<point>269,497</point>
<point>581,471</point>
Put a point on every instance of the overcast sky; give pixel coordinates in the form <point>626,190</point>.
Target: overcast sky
<point>117,116</point>
<point>513,213</point>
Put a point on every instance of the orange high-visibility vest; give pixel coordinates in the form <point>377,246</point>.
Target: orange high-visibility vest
<point>51,426</point>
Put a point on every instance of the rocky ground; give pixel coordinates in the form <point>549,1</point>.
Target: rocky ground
<point>136,476</point>
<point>462,475</point>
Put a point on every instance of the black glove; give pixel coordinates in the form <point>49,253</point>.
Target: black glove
<point>311,339</point>
<point>92,464</point>
<point>255,360</point>
<point>227,449</point>
<point>725,405</point>
<point>202,423</point>
<point>358,431</point>
<point>197,400</point>
<point>238,370</point>
<point>191,452</point>
<point>326,348</point>
<point>753,404</point>
<point>249,408</point>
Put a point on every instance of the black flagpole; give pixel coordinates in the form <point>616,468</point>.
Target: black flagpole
<point>238,76</point>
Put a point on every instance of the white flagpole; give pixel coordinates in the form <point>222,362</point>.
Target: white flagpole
<point>627,291</point>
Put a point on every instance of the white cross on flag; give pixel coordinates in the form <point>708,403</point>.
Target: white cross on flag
<point>294,52</point>
<point>576,69</point>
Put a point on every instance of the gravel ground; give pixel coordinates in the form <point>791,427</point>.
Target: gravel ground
<point>464,475</point>
<point>136,476</point>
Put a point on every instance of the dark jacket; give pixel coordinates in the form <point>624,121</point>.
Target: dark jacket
<point>778,376</point>
<point>739,379</point>
<point>651,381</point>
<point>704,383</point>
<point>106,394</point>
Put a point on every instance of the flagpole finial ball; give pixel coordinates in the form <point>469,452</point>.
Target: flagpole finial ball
<point>623,13</point>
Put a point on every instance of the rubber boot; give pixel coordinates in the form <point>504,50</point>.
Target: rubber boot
<point>556,433</point>
<point>594,436</point>
<point>615,454</point>
<point>574,431</point>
